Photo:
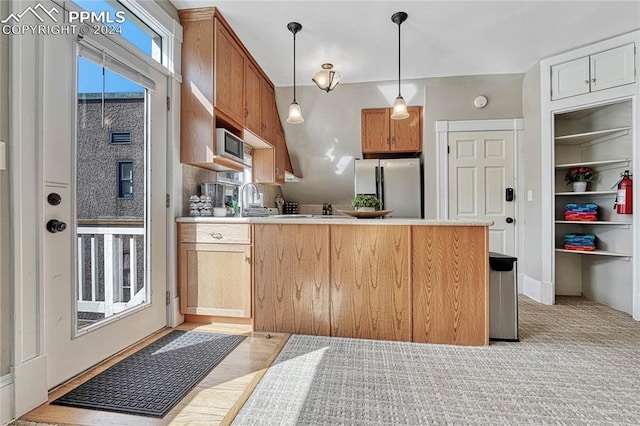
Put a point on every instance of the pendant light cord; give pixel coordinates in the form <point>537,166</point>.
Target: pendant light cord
<point>294,67</point>
<point>399,23</point>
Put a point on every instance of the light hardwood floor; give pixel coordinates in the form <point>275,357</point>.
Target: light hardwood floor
<point>215,400</point>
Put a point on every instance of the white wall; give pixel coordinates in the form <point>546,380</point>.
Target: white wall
<point>322,149</point>
<point>530,259</point>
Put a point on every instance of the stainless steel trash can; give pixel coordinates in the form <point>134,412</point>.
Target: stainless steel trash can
<point>503,298</point>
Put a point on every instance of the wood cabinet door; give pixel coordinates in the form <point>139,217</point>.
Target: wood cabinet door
<point>375,130</point>
<point>406,135</point>
<point>291,269</point>
<point>196,128</point>
<point>229,75</point>
<point>570,78</point>
<point>252,93</point>
<point>370,300</point>
<point>612,68</point>
<point>215,279</point>
<point>267,112</point>
<point>281,157</point>
<point>450,281</point>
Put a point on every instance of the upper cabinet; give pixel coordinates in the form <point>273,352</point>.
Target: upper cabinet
<point>229,75</point>
<point>603,70</point>
<point>381,134</point>
<point>223,86</point>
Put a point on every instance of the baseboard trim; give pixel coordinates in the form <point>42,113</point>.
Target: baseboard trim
<point>6,399</point>
<point>30,384</point>
<point>532,288</point>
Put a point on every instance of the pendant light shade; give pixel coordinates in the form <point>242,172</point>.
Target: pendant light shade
<point>399,105</point>
<point>295,112</point>
<point>399,109</point>
<point>326,79</point>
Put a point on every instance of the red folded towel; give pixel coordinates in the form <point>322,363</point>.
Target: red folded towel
<point>579,248</point>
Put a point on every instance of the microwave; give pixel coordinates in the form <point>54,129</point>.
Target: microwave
<point>229,145</point>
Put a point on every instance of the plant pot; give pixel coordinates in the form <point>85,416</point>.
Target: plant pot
<point>579,186</point>
<point>365,209</point>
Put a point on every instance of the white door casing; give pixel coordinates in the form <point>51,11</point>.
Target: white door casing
<point>480,169</point>
<point>68,353</point>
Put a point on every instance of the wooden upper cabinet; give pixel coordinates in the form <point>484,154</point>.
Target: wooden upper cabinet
<point>268,112</point>
<point>381,134</point>
<point>406,135</point>
<point>252,91</point>
<point>375,130</point>
<point>229,75</point>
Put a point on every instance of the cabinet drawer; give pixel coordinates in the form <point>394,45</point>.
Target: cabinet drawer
<point>215,233</point>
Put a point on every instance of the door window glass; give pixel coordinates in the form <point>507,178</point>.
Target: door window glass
<point>111,225</point>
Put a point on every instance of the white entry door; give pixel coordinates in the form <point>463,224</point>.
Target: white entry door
<point>480,175</point>
<point>104,214</point>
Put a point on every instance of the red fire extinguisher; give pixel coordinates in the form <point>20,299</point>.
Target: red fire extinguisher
<point>625,194</point>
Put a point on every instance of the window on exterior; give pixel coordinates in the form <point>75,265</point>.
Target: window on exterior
<point>125,179</point>
<point>120,138</point>
<point>133,29</point>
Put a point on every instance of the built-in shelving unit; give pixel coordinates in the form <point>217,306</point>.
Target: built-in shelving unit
<point>589,193</point>
<point>586,137</point>
<point>595,253</point>
<point>594,222</point>
<point>626,161</point>
<point>599,137</point>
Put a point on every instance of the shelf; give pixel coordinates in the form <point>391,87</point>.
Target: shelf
<point>596,253</point>
<point>594,222</point>
<point>594,163</point>
<point>580,138</point>
<point>588,193</point>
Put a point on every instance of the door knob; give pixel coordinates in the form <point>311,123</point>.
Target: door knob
<point>55,225</point>
<point>510,220</point>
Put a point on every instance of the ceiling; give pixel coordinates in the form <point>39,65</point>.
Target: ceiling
<point>439,38</point>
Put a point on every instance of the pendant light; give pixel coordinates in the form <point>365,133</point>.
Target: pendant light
<point>399,105</point>
<point>295,113</point>
<point>326,79</point>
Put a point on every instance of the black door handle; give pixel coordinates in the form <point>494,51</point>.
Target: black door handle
<point>510,220</point>
<point>55,226</point>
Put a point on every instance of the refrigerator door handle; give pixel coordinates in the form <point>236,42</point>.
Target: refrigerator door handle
<point>381,197</point>
<point>377,182</point>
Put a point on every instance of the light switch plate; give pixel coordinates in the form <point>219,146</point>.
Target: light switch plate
<point>3,156</point>
<point>529,195</point>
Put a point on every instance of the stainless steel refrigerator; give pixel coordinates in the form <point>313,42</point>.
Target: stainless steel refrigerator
<point>397,182</point>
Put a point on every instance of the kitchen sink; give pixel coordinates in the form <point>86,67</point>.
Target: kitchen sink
<point>291,216</point>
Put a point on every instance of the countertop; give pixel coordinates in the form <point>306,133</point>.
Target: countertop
<point>332,219</point>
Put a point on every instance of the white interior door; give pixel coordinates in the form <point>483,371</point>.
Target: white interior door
<point>480,171</point>
<point>71,344</point>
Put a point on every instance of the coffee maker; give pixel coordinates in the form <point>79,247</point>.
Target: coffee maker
<point>223,192</point>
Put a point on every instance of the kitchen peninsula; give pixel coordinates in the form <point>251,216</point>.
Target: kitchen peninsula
<point>390,279</point>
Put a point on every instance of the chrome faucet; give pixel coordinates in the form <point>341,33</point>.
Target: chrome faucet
<point>243,202</point>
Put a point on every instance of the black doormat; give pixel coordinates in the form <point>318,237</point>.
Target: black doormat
<point>153,380</point>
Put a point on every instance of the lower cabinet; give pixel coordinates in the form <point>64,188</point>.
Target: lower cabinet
<point>215,278</point>
<point>292,279</point>
<point>370,282</point>
<point>450,272</point>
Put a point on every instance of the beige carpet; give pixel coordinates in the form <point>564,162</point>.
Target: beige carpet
<point>577,363</point>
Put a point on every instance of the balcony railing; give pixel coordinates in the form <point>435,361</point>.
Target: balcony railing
<point>110,269</point>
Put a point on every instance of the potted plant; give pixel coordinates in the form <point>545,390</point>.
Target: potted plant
<point>364,203</point>
<point>579,177</point>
